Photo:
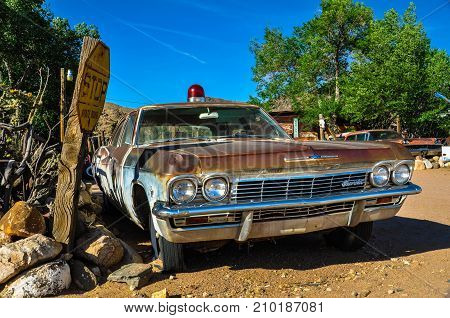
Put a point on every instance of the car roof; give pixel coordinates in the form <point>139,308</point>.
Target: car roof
<point>198,104</point>
<point>366,131</point>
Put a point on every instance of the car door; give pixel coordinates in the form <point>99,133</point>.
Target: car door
<point>118,158</point>
<point>103,162</point>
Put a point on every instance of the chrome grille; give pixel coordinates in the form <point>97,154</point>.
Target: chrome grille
<point>301,212</point>
<point>297,187</point>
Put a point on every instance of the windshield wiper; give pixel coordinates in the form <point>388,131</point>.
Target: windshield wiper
<point>247,136</point>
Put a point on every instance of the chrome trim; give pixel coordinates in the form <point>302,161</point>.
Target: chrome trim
<point>164,212</point>
<point>271,228</point>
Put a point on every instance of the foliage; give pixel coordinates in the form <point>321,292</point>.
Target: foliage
<point>307,67</point>
<point>347,66</point>
<point>32,38</point>
<point>396,74</point>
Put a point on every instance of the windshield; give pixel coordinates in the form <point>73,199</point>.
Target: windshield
<point>382,135</point>
<point>169,124</point>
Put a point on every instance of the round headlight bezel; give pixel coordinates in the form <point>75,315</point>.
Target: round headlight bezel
<point>372,176</point>
<point>211,179</point>
<point>173,183</point>
<point>394,170</point>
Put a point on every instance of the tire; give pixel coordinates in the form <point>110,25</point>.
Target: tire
<point>171,255</point>
<point>350,238</point>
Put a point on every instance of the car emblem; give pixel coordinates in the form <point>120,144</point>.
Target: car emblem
<point>349,183</point>
<point>312,157</point>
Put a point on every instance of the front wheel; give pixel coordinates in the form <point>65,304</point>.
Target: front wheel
<point>350,238</point>
<point>171,255</point>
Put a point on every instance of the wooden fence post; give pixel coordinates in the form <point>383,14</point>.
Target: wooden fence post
<point>87,104</point>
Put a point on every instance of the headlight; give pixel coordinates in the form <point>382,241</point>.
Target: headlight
<point>215,189</point>
<point>183,191</point>
<point>401,174</point>
<point>379,176</point>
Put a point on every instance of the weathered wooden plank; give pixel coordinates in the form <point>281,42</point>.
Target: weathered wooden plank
<point>73,153</point>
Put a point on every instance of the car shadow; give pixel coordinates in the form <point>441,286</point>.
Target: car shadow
<point>391,238</point>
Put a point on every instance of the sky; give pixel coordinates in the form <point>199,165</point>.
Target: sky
<point>159,48</point>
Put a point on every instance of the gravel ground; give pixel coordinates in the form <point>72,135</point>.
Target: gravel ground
<point>408,256</point>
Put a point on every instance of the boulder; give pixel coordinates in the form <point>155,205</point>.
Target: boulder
<point>18,256</point>
<point>130,256</point>
<point>419,165</point>
<point>135,275</point>
<point>82,276</point>
<point>22,220</point>
<point>419,158</point>
<point>435,165</point>
<point>4,238</point>
<point>427,164</point>
<point>436,158</point>
<point>441,162</point>
<point>447,165</point>
<point>100,247</point>
<point>46,280</point>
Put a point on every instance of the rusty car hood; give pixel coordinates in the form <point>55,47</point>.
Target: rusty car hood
<point>249,155</point>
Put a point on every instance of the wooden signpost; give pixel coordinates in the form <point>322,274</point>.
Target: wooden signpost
<point>86,107</point>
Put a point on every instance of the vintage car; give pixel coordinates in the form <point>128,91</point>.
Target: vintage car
<point>210,172</point>
<point>416,146</point>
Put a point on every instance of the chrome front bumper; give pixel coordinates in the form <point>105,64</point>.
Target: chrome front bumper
<point>250,230</point>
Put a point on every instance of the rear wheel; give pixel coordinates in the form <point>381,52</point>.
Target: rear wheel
<point>350,238</point>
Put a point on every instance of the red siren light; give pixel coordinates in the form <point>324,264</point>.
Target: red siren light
<point>196,93</point>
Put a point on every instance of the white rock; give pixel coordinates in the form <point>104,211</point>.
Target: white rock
<point>46,280</point>
<point>428,164</point>
<point>18,256</point>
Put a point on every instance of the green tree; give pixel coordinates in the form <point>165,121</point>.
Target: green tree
<point>32,39</point>
<point>396,74</point>
<point>308,66</point>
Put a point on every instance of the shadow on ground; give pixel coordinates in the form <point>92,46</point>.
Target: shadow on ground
<point>395,237</point>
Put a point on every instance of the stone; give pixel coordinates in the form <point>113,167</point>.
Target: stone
<point>130,256</point>
<point>419,158</point>
<point>82,276</point>
<point>4,238</point>
<point>21,255</point>
<point>441,163</point>
<point>365,293</point>
<point>435,165</point>
<point>135,275</point>
<point>100,247</point>
<point>419,165</point>
<point>22,220</point>
<point>84,199</point>
<point>161,294</point>
<point>46,280</point>
<point>328,289</point>
<point>436,158</point>
<point>390,291</point>
<point>427,164</point>
<point>96,270</point>
<point>355,294</point>
<point>447,165</point>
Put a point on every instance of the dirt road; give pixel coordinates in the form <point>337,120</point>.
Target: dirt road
<point>408,256</point>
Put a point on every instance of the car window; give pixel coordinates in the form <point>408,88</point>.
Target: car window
<point>361,137</point>
<point>206,122</point>
<point>129,129</point>
<point>351,138</point>
<point>384,135</point>
<point>117,133</point>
